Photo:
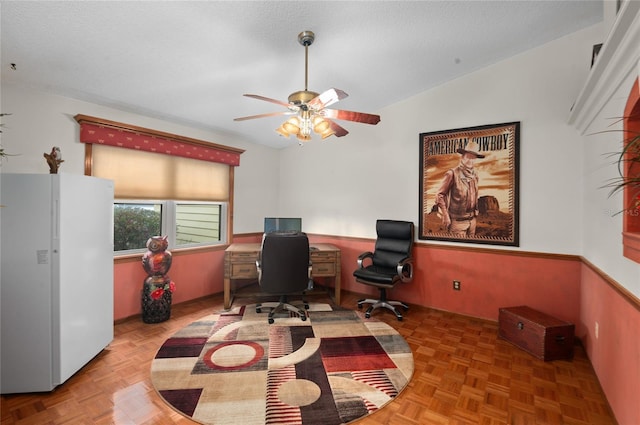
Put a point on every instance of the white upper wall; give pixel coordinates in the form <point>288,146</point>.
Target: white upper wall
<point>341,186</point>
<point>40,121</point>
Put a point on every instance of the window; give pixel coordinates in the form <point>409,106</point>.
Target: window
<point>197,223</point>
<point>165,185</point>
<point>186,224</point>
<point>134,223</point>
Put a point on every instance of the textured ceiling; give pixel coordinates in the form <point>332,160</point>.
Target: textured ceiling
<point>190,62</point>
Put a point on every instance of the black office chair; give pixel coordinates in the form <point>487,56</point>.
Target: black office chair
<point>390,263</point>
<point>284,269</point>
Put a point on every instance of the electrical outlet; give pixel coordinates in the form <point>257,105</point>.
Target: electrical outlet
<point>456,285</point>
<point>597,329</point>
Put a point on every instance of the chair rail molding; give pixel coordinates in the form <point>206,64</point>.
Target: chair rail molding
<point>616,61</point>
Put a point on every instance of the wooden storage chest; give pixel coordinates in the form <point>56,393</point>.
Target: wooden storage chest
<point>540,334</point>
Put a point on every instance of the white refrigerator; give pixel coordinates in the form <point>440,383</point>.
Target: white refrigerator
<point>56,277</point>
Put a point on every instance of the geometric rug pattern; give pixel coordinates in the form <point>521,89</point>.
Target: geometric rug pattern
<point>236,368</point>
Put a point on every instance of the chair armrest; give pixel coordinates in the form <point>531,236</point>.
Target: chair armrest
<point>259,269</point>
<point>363,257</point>
<point>310,284</point>
<point>405,269</point>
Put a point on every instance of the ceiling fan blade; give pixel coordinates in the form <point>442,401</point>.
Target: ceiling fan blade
<point>326,98</point>
<point>351,116</point>
<point>338,130</point>
<point>269,114</point>
<point>268,99</point>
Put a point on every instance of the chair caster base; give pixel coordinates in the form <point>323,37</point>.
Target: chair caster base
<point>389,305</point>
<point>277,307</point>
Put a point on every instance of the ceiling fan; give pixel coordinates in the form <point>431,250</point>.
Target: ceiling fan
<point>309,109</point>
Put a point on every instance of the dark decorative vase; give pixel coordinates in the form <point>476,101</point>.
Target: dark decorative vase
<point>157,288</point>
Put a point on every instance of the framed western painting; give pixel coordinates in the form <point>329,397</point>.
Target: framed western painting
<point>469,184</point>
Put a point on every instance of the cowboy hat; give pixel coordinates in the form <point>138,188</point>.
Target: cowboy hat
<point>472,148</point>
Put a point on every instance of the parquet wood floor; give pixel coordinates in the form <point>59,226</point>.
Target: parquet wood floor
<point>464,374</point>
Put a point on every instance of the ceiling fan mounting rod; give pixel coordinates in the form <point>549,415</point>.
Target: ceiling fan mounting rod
<point>306,66</point>
<point>306,38</point>
<point>300,98</point>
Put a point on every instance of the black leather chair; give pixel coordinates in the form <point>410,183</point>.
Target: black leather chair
<point>389,264</point>
<point>284,269</point>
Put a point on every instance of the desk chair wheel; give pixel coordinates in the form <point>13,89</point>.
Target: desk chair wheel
<point>270,321</point>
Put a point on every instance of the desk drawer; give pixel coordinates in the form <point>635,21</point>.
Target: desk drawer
<point>237,257</point>
<point>243,270</point>
<point>322,256</point>
<point>323,268</point>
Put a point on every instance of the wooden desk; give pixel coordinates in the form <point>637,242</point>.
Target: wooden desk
<point>240,263</point>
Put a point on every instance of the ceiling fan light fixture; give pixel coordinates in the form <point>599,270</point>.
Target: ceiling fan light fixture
<point>328,132</point>
<point>292,125</point>
<point>305,122</point>
<point>303,137</point>
<point>320,125</point>
<point>280,130</point>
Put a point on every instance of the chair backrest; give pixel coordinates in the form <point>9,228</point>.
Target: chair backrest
<point>394,242</point>
<point>284,260</point>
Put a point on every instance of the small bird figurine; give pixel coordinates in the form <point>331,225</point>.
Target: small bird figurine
<point>54,159</point>
<point>157,260</point>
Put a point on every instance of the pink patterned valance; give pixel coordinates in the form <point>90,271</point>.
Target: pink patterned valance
<point>97,130</point>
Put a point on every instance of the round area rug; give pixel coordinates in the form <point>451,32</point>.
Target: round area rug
<point>235,368</point>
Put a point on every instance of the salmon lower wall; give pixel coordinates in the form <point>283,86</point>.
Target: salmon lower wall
<point>489,279</point>
<point>561,285</point>
<point>615,352</point>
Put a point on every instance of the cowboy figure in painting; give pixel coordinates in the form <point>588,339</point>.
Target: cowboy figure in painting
<point>457,197</point>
